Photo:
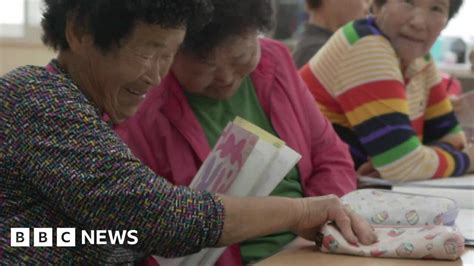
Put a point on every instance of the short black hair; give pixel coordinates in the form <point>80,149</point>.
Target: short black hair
<point>229,18</point>
<point>313,4</point>
<point>110,21</point>
<point>454,6</point>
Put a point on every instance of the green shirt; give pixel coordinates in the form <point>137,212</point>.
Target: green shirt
<point>214,115</point>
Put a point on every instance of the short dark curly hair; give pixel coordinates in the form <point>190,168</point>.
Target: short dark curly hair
<point>110,21</point>
<point>313,3</point>
<point>229,18</point>
<point>453,6</point>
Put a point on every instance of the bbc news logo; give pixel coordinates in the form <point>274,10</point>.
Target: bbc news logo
<point>66,237</point>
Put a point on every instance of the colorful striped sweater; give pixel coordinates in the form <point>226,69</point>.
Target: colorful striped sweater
<point>403,123</point>
<point>62,166</point>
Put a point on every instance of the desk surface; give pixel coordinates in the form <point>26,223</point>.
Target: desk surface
<point>303,252</point>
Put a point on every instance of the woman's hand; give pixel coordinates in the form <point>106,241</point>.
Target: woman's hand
<point>317,211</point>
<point>368,169</point>
<point>250,217</point>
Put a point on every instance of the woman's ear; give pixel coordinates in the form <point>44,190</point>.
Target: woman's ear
<point>78,41</point>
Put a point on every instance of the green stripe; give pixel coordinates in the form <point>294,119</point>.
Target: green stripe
<point>396,152</point>
<point>456,129</point>
<point>351,33</point>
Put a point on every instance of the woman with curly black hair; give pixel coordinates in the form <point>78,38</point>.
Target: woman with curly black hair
<point>61,165</point>
<point>223,71</point>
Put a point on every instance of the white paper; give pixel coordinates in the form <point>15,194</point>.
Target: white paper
<point>465,222</point>
<point>251,173</point>
<point>464,182</point>
<point>464,197</point>
<point>285,160</point>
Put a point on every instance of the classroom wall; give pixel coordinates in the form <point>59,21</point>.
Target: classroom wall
<point>13,55</point>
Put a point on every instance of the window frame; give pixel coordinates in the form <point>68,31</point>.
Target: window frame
<point>30,32</point>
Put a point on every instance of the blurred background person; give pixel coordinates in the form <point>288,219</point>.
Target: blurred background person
<point>324,18</point>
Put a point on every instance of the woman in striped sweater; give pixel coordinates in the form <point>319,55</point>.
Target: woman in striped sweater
<point>384,95</point>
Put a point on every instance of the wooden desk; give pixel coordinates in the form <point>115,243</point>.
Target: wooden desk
<point>302,252</point>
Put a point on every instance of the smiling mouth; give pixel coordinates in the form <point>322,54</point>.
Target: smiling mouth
<point>412,39</point>
<point>135,92</point>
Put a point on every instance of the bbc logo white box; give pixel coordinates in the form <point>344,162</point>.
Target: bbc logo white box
<point>66,237</point>
<point>43,237</point>
<point>20,237</point>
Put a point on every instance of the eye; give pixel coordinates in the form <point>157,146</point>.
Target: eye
<point>208,64</point>
<point>146,55</point>
<point>408,2</point>
<point>168,56</point>
<point>245,59</point>
<point>439,9</point>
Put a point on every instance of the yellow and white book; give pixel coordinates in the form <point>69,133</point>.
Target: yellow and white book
<point>246,161</point>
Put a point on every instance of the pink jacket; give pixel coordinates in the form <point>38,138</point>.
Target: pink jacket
<point>167,137</point>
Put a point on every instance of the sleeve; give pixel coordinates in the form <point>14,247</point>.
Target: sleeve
<point>442,130</point>
<point>332,167</point>
<point>371,92</point>
<point>82,168</point>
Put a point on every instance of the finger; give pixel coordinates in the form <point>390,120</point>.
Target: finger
<point>343,222</point>
<point>363,230</point>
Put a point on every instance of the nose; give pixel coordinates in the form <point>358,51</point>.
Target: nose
<point>419,19</point>
<point>224,76</point>
<point>153,75</point>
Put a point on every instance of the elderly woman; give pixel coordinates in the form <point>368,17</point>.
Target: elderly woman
<point>63,166</point>
<point>223,71</point>
<point>384,95</point>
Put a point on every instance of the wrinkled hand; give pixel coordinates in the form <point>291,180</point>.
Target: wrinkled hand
<point>317,211</point>
<point>368,169</point>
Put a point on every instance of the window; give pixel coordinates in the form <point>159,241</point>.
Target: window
<point>457,39</point>
<point>461,24</point>
<point>20,20</point>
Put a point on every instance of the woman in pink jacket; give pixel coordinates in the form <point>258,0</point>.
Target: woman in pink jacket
<point>226,70</point>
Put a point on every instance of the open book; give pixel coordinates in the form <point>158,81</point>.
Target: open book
<point>246,161</point>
